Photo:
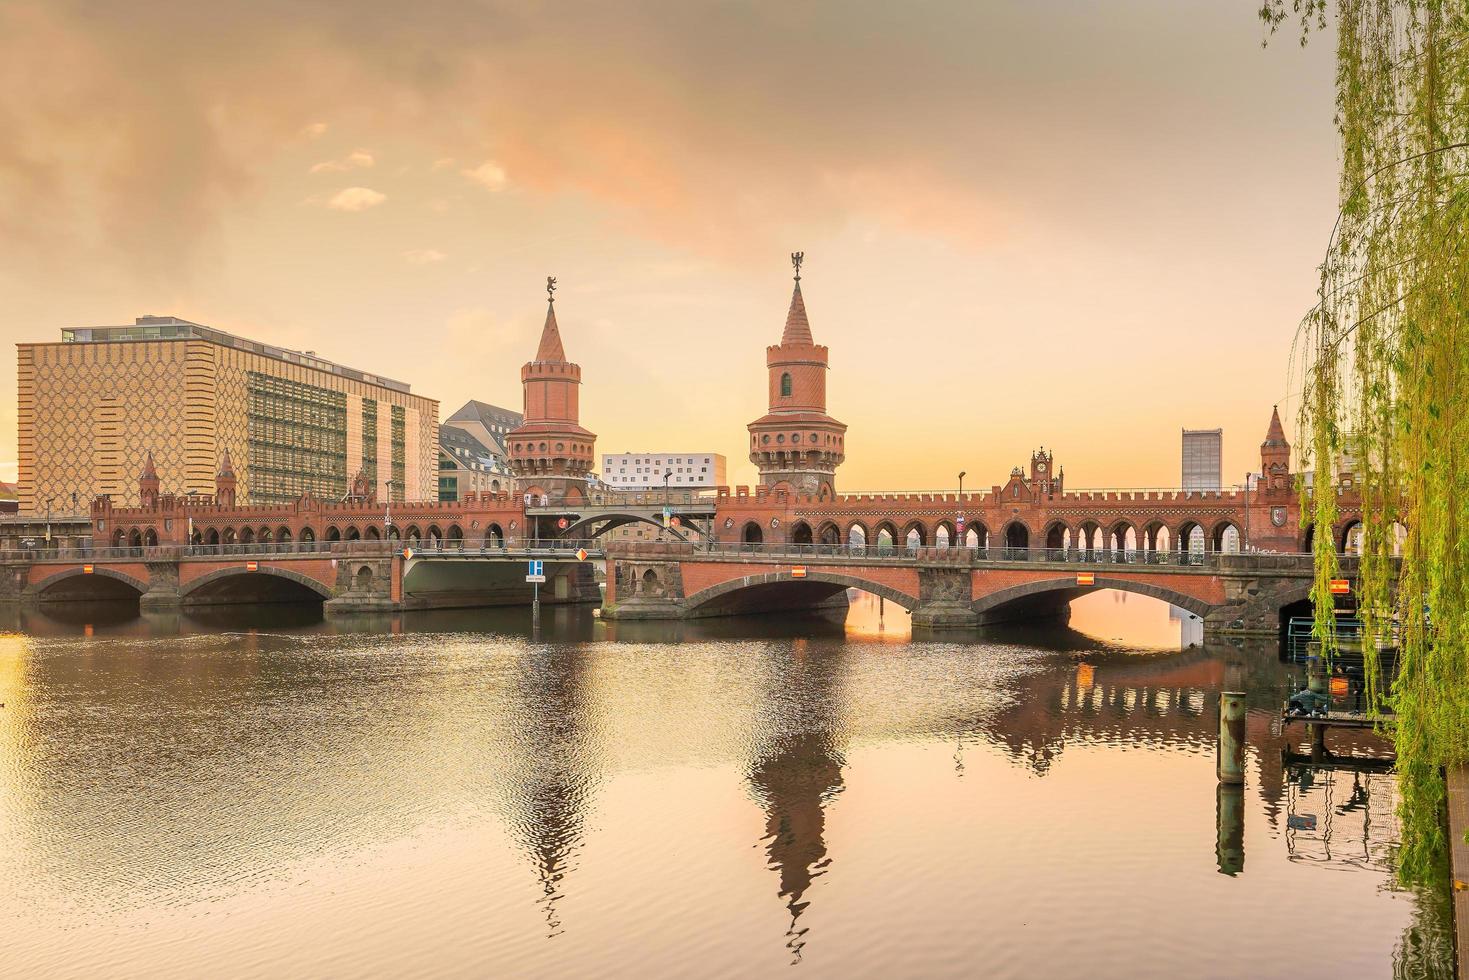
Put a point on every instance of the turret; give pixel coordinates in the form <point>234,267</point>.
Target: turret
<point>1275,457</point>
<point>224,482</point>
<point>148,483</point>
<point>796,445</point>
<point>550,453</point>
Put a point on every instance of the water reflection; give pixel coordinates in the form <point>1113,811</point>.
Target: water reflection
<point>797,769</point>
<point>1029,800</point>
<point>550,772</point>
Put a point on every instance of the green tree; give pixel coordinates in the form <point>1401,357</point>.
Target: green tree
<point>1384,356</point>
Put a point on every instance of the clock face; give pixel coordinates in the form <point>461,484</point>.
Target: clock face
<point>1040,467</point>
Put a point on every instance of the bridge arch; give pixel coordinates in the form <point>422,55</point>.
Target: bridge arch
<point>1117,536</point>
<point>618,520</point>
<point>1349,542</point>
<point>752,533</point>
<point>944,535</point>
<point>266,583</point>
<point>801,533</point>
<point>885,538</point>
<point>1056,533</point>
<point>976,535</point>
<point>1155,536</point>
<point>494,536</point>
<point>725,594</point>
<point>78,584</point>
<point>829,533</point>
<point>915,535</point>
<point>1017,535</point>
<point>857,535</point>
<point>1068,588</point>
<point>1191,537</point>
<point>1223,540</point>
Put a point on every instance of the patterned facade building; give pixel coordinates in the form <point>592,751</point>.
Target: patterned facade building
<point>94,404</point>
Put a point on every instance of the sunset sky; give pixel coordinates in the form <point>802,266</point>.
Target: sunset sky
<point>1072,224</point>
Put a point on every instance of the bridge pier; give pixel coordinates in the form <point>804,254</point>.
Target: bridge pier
<point>946,599</point>
<point>643,590</point>
<point>366,585</point>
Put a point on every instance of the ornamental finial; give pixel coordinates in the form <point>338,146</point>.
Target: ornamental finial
<point>550,289</point>
<point>796,259</point>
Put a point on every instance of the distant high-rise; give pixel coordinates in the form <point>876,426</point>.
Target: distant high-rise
<point>1203,455</point>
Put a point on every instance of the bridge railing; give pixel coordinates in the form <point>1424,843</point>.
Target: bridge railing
<point>267,549</point>
<point>1075,556</point>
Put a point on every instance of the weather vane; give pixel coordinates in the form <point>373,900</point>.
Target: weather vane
<point>796,258</point>
<point>550,289</point>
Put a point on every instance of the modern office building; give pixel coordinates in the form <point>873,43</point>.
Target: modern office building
<point>103,398</point>
<point>644,471</point>
<point>1203,456</point>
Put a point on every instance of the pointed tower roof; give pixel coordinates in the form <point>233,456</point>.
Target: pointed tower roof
<point>550,349</point>
<point>149,471</point>
<point>1276,434</point>
<point>798,328</point>
<point>226,467</point>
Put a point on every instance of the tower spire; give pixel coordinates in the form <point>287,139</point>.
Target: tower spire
<point>1275,436</point>
<point>798,328</point>
<point>550,349</point>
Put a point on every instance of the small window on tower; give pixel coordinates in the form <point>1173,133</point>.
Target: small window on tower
<point>785,385</point>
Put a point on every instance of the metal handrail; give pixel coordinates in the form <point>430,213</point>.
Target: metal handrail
<point>266,549</point>
<point>961,555</point>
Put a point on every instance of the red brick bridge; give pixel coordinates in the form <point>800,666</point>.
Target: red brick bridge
<point>358,576</point>
<point>948,587</point>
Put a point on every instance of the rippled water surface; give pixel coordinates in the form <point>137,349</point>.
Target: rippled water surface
<point>265,794</point>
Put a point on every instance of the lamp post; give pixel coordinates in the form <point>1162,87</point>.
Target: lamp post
<point>666,509</point>
<point>1245,544</point>
<point>388,510</point>
<point>959,523</point>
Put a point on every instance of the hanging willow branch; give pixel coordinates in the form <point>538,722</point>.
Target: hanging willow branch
<point>1386,375</point>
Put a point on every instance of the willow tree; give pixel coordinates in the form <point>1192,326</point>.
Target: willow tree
<point>1385,363</point>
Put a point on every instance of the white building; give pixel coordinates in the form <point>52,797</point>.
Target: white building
<point>644,471</point>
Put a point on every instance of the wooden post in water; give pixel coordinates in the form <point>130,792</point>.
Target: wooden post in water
<point>1229,849</point>
<point>1318,681</point>
<point>1232,737</point>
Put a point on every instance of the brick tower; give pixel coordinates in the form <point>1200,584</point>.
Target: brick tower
<point>1275,458</point>
<point>550,453</point>
<point>224,482</point>
<point>796,445</point>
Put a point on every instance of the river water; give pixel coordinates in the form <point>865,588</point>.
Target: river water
<point>261,793</point>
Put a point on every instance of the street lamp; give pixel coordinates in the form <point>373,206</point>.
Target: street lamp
<point>666,508</point>
<point>959,524</point>
<point>388,510</point>
<point>1245,544</point>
